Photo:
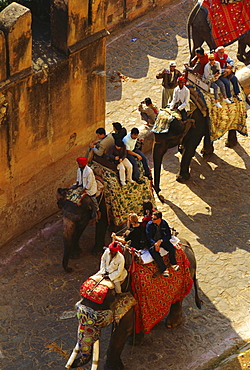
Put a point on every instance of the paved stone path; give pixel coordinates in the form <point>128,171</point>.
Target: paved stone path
<point>211,211</point>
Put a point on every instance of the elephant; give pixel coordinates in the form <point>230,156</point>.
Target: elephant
<point>201,32</point>
<point>165,141</point>
<point>125,328</point>
<point>75,220</point>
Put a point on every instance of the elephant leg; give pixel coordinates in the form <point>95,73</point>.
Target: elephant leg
<point>117,341</point>
<point>174,317</point>
<point>68,233</point>
<point>231,139</point>
<point>187,155</point>
<point>158,152</point>
<point>76,250</point>
<point>100,229</point>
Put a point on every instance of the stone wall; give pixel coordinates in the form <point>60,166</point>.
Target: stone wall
<point>47,115</point>
<point>123,11</point>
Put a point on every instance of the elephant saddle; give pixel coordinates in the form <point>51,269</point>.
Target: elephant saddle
<point>155,296</point>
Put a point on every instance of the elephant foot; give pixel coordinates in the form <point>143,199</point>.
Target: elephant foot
<point>183,178</point>
<point>117,365</point>
<point>74,255</point>
<point>68,269</point>
<point>136,339</point>
<point>80,361</point>
<point>231,144</point>
<point>207,150</point>
<point>172,321</point>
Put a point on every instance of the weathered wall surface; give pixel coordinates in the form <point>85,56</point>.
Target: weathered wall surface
<point>48,117</point>
<point>123,11</point>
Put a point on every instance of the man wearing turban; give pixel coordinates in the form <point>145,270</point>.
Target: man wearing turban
<point>113,265</point>
<point>181,98</point>
<point>86,180</point>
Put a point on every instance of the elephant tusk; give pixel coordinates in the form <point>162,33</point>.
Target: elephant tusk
<point>95,357</point>
<point>72,356</point>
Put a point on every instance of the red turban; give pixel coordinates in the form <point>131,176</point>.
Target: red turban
<point>82,160</point>
<point>181,79</point>
<point>115,247</point>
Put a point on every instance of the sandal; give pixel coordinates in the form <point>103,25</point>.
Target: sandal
<point>175,267</point>
<point>165,273</point>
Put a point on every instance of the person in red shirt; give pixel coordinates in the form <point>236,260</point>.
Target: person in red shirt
<point>226,64</point>
<point>198,62</point>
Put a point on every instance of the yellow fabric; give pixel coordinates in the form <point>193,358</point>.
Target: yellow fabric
<point>229,117</point>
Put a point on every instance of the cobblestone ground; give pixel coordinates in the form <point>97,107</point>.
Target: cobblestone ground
<point>211,211</point>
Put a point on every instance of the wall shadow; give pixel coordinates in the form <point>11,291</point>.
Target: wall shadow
<point>129,53</point>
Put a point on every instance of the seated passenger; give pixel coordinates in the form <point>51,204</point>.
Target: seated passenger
<point>102,145</point>
<point>148,111</point>
<point>158,234</point>
<point>197,64</point>
<point>120,131</point>
<point>227,76</point>
<point>118,155</point>
<point>181,98</point>
<point>136,233</point>
<point>112,265</point>
<point>86,180</point>
<point>133,153</point>
<point>147,212</point>
<point>212,72</point>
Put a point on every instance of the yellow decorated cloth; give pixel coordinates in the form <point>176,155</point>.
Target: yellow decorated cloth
<point>163,120</point>
<point>229,117</point>
<point>122,200</point>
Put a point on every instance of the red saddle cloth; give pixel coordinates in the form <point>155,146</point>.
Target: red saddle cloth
<point>96,295</point>
<point>155,295</point>
<point>228,21</point>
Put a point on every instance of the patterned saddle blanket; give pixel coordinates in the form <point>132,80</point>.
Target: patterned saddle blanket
<point>163,120</point>
<point>95,291</point>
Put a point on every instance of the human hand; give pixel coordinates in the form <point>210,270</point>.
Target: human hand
<point>116,158</point>
<point>139,157</point>
<point>113,235</point>
<point>141,140</point>
<point>91,145</point>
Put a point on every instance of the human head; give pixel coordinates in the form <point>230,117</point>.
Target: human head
<point>134,133</point>
<point>100,132</point>
<point>211,58</point>
<point>220,50</point>
<point>114,247</point>
<point>82,161</point>
<point>172,65</point>
<point>181,81</point>
<point>147,207</point>
<point>119,143</point>
<point>148,101</point>
<point>199,51</point>
<point>117,126</point>
<point>157,217</point>
<point>133,218</point>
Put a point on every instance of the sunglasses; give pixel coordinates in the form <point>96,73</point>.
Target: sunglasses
<point>154,218</point>
<point>211,59</point>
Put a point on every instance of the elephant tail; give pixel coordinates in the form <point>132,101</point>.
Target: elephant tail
<point>198,301</point>
<point>190,21</point>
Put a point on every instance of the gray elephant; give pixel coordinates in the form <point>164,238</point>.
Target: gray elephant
<point>101,313</point>
<point>75,220</point>
<point>198,25</point>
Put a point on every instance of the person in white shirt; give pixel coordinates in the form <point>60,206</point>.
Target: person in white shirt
<point>86,180</point>
<point>113,265</point>
<point>212,72</point>
<point>181,98</point>
<point>133,153</point>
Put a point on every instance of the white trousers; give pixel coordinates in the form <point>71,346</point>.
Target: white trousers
<point>123,167</point>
